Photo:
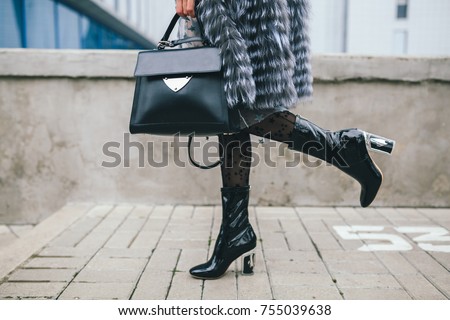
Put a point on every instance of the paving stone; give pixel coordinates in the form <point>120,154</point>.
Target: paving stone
<point>254,287</point>
<point>121,239</point>
<point>108,276</point>
<point>282,255</point>
<point>315,226</point>
<point>182,212</point>
<point>353,267</point>
<point>56,263</point>
<point>301,279</point>
<point>132,224</point>
<point>100,235</point>
<point>264,226</point>
<point>223,289</point>
<point>425,263</point>
<point>18,290</point>
<point>99,211</point>
<point>146,239</point>
<point>372,215</point>
<point>412,214</point>
<point>392,215</point>
<point>203,213</point>
<point>294,261</point>
<point>76,233</point>
<point>97,291</point>
<point>182,244</point>
<point>50,275</point>
<point>317,213</point>
<point>442,258</point>
<point>296,266</point>
<point>386,281</point>
<point>419,287</point>
<point>146,252</point>
<point>184,287</point>
<point>338,256</point>
<point>163,260</point>
<point>71,238</point>
<point>275,213</point>
<point>100,263</point>
<point>375,294</point>
<point>185,234</point>
<point>273,241</point>
<point>291,226</point>
<point>396,263</point>
<point>325,241</point>
<point>161,212</point>
<point>155,225</point>
<point>436,214</point>
<point>143,253</point>
<point>67,252</point>
<point>296,236</point>
<point>153,285</point>
<point>349,214</point>
<point>441,282</point>
<point>141,212</point>
<point>294,292</point>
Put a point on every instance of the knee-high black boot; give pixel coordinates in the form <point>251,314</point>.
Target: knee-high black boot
<point>236,236</point>
<point>345,149</point>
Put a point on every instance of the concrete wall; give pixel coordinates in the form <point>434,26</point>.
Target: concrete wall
<point>59,108</point>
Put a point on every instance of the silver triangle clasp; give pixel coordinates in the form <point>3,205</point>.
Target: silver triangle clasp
<point>176,84</point>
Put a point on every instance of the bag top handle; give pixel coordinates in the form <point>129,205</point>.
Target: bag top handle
<point>165,39</point>
<point>169,30</point>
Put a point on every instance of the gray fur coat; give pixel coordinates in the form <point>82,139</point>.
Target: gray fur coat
<point>265,49</point>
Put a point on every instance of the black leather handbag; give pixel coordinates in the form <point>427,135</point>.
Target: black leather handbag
<point>181,91</point>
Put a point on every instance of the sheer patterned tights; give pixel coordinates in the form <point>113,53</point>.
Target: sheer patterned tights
<point>236,149</point>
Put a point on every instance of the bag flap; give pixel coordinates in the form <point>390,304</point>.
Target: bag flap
<point>178,61</point>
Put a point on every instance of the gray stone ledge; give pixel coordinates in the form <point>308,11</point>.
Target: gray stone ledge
<point>121,63</point>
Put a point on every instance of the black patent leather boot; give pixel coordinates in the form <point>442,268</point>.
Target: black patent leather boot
<point>345,149</point>
<point>236,237</point>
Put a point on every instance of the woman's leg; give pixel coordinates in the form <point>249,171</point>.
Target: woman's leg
<point>236,154</point>
<point>278,126</point>
<point>345,149</point>
<point>236,236</point>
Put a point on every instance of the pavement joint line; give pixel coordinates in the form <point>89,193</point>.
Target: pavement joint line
<point>333,279</point>
<point>95,226</point>
<point>430,280</point>
<point>174,271</point>
<point>333,234</point>
<point>436,285</point>
<point>209,246</point>
<point>284,235</point>
<point>95,253</point>
<point>142,226</point>
<point>153,251</point>
<point>263,257</point>
<point>34,240</point>
<point>395,276</point>
<point>402,266</point>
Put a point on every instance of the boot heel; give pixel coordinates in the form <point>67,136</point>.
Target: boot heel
<point>248,262</point>
<point>378,143</point>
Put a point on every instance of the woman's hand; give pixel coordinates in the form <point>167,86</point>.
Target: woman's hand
<point>186,8</point>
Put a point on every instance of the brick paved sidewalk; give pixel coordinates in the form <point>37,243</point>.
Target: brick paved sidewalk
<point>122,251</point>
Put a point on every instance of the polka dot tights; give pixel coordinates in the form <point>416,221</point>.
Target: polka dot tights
<point>236,149</point>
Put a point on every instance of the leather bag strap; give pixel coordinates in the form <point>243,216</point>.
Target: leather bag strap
<point>196,164</point>
<point>165,39</point>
